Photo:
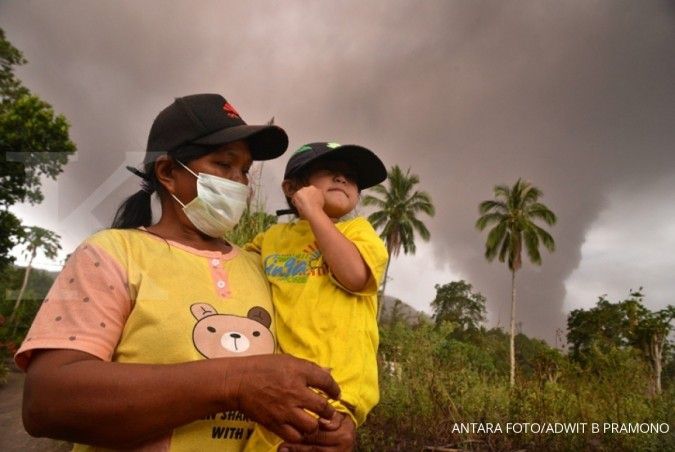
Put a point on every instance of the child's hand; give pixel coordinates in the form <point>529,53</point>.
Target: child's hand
<point>331,424</point>
<point>308,200</point>
<point>339,440</point>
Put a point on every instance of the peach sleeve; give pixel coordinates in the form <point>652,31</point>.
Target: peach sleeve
<point>85,309</point>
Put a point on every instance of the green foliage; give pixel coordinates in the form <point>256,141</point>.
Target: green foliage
<point>11,233</point>
<point>34,142</point>
<point>430,381</point>
<point>668,375</point>
<point>35,292</point>
<point>468,355</point>
<point>10,56</point>
<point>626,325</point>
<point>39,284</point>
<point>251,224</point>
<point>599,328</point>
<point>513,214</point>
<point>537,361</point>
<point>35,239</point>
<point>456,302</point>
<point>398,207</point>
<point>255,219</point>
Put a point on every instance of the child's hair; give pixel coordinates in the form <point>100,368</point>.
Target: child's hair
<point>136,210</point>
<point>300,179</point>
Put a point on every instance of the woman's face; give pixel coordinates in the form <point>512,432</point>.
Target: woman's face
<point>232,161</point>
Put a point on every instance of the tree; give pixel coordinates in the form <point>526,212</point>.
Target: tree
<point>651,336</point>
<point>399,205</point>
<point>600,328</point>
<point>254,220</point>
<point>456,302</point>
<point>627,324</point>
<point>512,215</point>
<point>34,142</point>
<point>537,359</point>
<point>35,239</point>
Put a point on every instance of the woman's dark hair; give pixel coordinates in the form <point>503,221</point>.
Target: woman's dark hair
<point>136,210</point>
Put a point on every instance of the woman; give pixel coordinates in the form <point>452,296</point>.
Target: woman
<point>115,356</point>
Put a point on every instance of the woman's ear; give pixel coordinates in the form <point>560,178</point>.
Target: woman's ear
<point>164,171</point>
<point>289,187</point>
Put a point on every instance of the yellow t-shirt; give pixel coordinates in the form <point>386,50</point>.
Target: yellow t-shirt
<point>129,296</point>
<point>317,319</point>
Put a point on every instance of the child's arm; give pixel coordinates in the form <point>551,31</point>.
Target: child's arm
<point>342,257</point>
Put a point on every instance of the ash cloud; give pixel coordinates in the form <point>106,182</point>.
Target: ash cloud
<point>577,97</point>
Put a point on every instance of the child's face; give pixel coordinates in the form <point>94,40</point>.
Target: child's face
<point>337,182</point>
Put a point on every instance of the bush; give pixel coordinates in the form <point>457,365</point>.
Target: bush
<point>431,383</point>
<point>11,336</point>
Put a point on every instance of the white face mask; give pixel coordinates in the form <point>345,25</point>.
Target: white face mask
<point>218,206</point>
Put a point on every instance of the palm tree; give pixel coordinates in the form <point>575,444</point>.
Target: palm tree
<point>398,207</point>
<point>35,239</point>
<point>513,214</point>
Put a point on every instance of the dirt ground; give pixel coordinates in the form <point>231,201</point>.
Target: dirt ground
<point>13,438</point>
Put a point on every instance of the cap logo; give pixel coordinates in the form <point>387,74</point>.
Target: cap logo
<point>304,148</point>
<point>231,112</point>
<point>333,145</point>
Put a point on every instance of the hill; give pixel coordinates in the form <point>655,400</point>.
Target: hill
<point>395,307</point>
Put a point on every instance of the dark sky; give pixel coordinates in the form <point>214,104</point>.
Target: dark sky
<point>577,97</point>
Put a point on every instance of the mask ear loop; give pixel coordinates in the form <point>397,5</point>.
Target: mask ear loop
<point>186,167</point>
<point>191,172</point>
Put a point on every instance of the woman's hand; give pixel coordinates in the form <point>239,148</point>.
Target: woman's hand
<point>329,438</point>
<point>274,390</point>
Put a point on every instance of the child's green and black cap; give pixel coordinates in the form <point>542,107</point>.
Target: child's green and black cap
<point>368,167</point>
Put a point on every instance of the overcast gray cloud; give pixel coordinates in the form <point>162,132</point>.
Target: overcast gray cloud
<point>629,246</point>
<point>575,96</point>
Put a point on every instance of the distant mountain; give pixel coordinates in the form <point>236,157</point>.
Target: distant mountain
<point>400,309</point>
<point>39,282</point>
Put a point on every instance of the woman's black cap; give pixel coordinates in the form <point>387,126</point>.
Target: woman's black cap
<point>369,168</point>
<point>208,119</point>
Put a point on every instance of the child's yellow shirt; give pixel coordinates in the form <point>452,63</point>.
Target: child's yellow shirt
<point>317,319</point>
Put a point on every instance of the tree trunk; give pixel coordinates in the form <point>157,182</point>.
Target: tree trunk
<point>380,301</point>
<point>512,348</point>
<point>656,353</point>
<point>13,318</point>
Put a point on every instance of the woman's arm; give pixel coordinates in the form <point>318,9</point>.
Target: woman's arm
<point>75,396</point>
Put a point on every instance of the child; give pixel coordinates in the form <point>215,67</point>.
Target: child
<point>325,271</point>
